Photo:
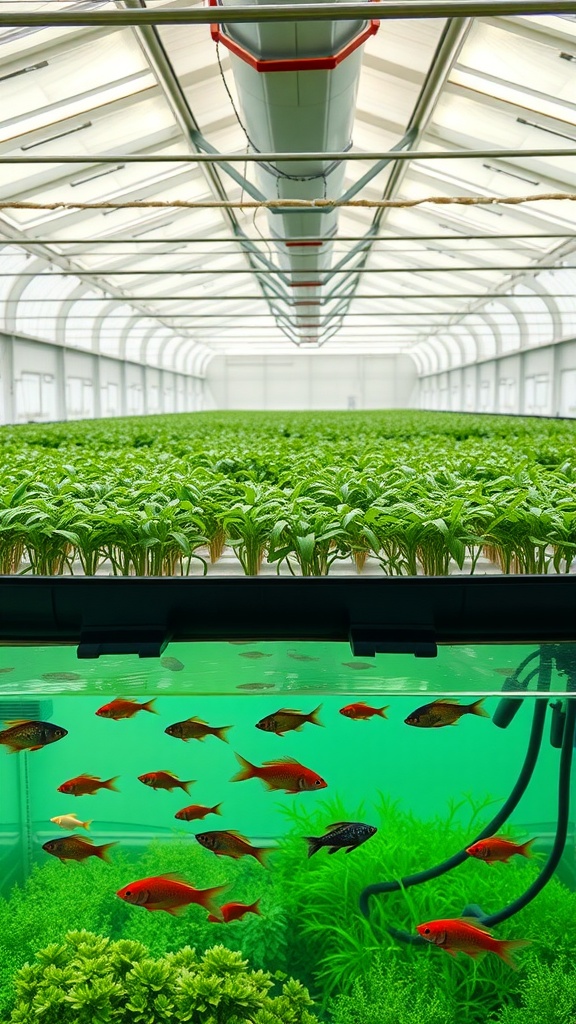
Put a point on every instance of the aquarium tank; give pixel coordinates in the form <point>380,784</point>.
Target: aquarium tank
<point>282,831</point>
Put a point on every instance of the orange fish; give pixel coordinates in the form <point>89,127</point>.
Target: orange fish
<point>286,719</point>
<point>282,773</point>
<point>25,734</point>
<point>196,729</point>
<point>171,893</point>
<point>165,780</point>
<point>195,811</point>
<point>446,711</point>
<point>466,935</point>
<point>228,843</point>
<point>361,711</point>
<point>121,708</point>
<point>234,911</point>
<point>87,785</point>
<point>75,848</point>
<point>497,848</point>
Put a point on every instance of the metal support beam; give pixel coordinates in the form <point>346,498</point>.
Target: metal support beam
<point>212,156</point>
<point>387,9</point>
<point>157,57</point>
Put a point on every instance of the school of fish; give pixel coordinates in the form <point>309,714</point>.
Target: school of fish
<point>173,893</point>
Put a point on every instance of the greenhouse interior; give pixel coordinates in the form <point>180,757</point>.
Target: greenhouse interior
<point>288,512</point>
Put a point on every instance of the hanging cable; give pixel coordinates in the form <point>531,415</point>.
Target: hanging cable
<point>526,772</point>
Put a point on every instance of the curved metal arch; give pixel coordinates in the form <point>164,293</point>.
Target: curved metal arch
<point>163,346</point>
<point>563,281</point>
<point>174,342</point>
<point>147,337</point>
<point>472,331</point>
<point>124,333</point>
<point>97,330</point>
<point>182,354</point>
<point>464,331</point>
<point>452,347</point>
<point>204,362</point>
<point>15,293</point>
<point>436,339</point>
<point>191,346</point>
<point>81,288</point>
<point>496,335</point>
<point>480,335</point>
<point>25,258</point>
<point>416,358</point>
<point>430,354</point>
<point>110,312</point>
<point>155,333</point>
<point>540,292</point>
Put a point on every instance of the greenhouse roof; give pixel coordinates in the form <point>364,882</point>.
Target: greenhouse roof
<point>115,113</point>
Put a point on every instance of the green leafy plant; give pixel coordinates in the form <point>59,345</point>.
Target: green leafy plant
<point>90,979</point>
<point>419,492</point>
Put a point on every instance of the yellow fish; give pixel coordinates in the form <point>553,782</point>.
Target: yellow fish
<point>68,821</point>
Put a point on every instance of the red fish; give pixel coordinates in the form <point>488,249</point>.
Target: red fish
<point>165,780</point>
<point>497,848</point>
<point>171,893</point>
<point>234,911</point>
<point>87,785</point>
<point>75,848</point>
<point>196,811</point>
<point>228,843</point>
<point>283,773</point>
<point>446,711</point>
<point>286,719</point>
<point>24,734</point>
<point>197,729</point>
<point>361,711</point>
<point>466,935</point>
<point>121,708</point>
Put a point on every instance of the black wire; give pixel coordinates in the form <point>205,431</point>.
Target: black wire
<point>504,813</point>
<point>561,826</point>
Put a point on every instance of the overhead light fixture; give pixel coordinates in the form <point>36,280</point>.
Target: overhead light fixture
<point>510,174</point>
<point>568,56</point>
<point>99,174</point>
<point>452,227</point>
<point>25,71</point>
<point>59,135</point>
<point>532,124</point>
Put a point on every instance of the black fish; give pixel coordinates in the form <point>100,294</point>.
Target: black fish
<point>27,734</point>
<point>342,834</point>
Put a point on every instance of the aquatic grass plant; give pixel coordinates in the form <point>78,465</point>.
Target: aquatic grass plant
<point>420,492</point>
<point>90,979</point>
<point>343,958</point>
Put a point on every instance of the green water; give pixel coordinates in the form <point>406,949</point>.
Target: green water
<point>439,775</point>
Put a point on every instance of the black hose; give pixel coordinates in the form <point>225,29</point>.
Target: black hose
<point>504,813</point>
<point>561,827</point>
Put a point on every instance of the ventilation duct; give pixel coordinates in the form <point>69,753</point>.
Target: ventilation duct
<point>297,84</point>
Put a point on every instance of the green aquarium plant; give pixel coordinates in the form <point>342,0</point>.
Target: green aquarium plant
<point>56,899</point>
<point>353,964</point>
<point>91,979</point>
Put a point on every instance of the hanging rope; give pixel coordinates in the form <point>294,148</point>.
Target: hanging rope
<point>302,204</point>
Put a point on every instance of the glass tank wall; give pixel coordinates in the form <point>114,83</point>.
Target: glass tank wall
<point>292,779</point>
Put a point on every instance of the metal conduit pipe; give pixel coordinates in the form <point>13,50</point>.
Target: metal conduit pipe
<point>388,9</point>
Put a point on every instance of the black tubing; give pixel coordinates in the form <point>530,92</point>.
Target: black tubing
<point>561,827</point>
<point>504,813</point>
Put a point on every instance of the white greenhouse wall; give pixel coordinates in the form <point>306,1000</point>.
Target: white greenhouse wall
<point>306,381</point>
<point>40,382</point>
<point>536,382</point>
